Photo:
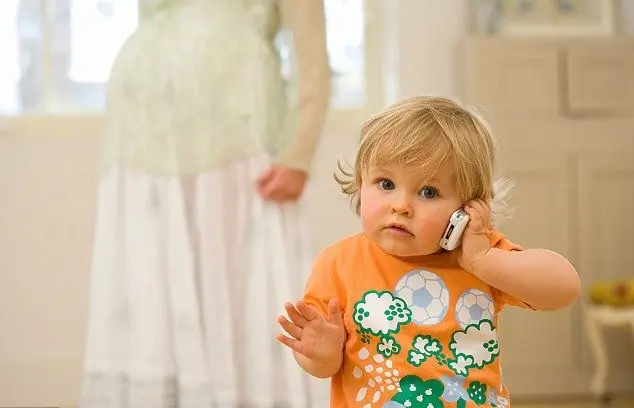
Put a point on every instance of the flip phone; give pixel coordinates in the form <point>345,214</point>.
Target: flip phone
<point>452,237</point>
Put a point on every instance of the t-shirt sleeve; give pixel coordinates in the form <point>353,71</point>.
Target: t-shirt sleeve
<point>499,241</point>
<point>323,283</point>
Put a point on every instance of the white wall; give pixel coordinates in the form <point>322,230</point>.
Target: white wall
<point>426,66</point>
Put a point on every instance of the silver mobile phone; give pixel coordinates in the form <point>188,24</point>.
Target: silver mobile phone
<point>452,237</point>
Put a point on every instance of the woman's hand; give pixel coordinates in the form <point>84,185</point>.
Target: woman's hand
<point>280,184</point>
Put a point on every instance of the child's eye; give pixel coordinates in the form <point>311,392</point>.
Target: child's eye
<point>385,184</point>
<point>429,193</point>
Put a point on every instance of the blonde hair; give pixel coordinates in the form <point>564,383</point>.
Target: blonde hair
<point>427,133</point>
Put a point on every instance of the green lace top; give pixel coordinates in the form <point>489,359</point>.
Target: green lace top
<point>199,84</point>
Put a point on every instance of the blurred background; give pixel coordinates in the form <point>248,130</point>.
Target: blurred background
<point>556,82</point>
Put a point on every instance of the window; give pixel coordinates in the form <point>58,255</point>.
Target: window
<point>345,23</point>
<point>345,20</point>
<point>60,64</point>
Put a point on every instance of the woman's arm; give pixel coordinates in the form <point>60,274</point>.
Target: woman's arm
<point>307,22</point>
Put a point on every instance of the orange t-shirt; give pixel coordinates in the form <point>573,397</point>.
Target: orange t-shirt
<point>419,335</point>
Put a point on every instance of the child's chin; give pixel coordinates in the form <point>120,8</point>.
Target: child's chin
<point>406,251</point>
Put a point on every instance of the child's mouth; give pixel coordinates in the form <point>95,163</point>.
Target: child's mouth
<point>399,229</point>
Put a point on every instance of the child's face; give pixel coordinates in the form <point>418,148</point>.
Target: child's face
<point>405,214</point>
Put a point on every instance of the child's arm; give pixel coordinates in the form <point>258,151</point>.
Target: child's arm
<point>541,278</point>
<point>315,330</point>
<point>316,340</point>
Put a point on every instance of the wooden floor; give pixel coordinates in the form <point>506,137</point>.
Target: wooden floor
<point>624,404</point>
<point>618,403</point>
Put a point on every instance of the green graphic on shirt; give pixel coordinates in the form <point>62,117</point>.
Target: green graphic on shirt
<point>477,392</point>
<point>381,313</point>
<point>456,391</point>
<point>474,347</point>
<point>418,393</point>
<point>365,337</point>
<point>388,346</point>
<point>423,347</point>
<point>477,346</point>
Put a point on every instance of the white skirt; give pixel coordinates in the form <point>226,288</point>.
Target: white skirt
<point>188,277</point>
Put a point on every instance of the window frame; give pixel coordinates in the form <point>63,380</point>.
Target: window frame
<point>339,118</point>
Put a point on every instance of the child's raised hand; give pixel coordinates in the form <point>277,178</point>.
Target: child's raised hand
<point>475,240</point>
<point>314,336</point>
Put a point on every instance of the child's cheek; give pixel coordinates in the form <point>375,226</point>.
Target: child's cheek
<point>370,209</point>
<point>435,222</point>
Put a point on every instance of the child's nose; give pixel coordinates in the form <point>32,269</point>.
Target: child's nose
<point>402,206</point>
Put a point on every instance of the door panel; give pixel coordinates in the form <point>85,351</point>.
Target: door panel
<point>606,219</point>
<point>533,360</point>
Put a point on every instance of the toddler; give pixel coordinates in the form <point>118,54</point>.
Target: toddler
<point>392,318</point>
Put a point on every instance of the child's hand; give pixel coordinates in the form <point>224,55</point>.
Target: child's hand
<point>475,241</point>
<point>312,335</point>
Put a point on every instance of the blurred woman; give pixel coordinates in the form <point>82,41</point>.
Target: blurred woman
<point>199,234</point>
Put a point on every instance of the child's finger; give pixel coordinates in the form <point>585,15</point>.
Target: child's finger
<point>334,313</point>
<point>476,222</point>
<point>293,344</point>
<point>307,311</point>
<point>295,315</point>
<point>290,328</point>
<point>484,204</point>
<point>483,210</point>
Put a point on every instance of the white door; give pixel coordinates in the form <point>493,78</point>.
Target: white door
<point>563,112</point>
<point>52,83</point>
